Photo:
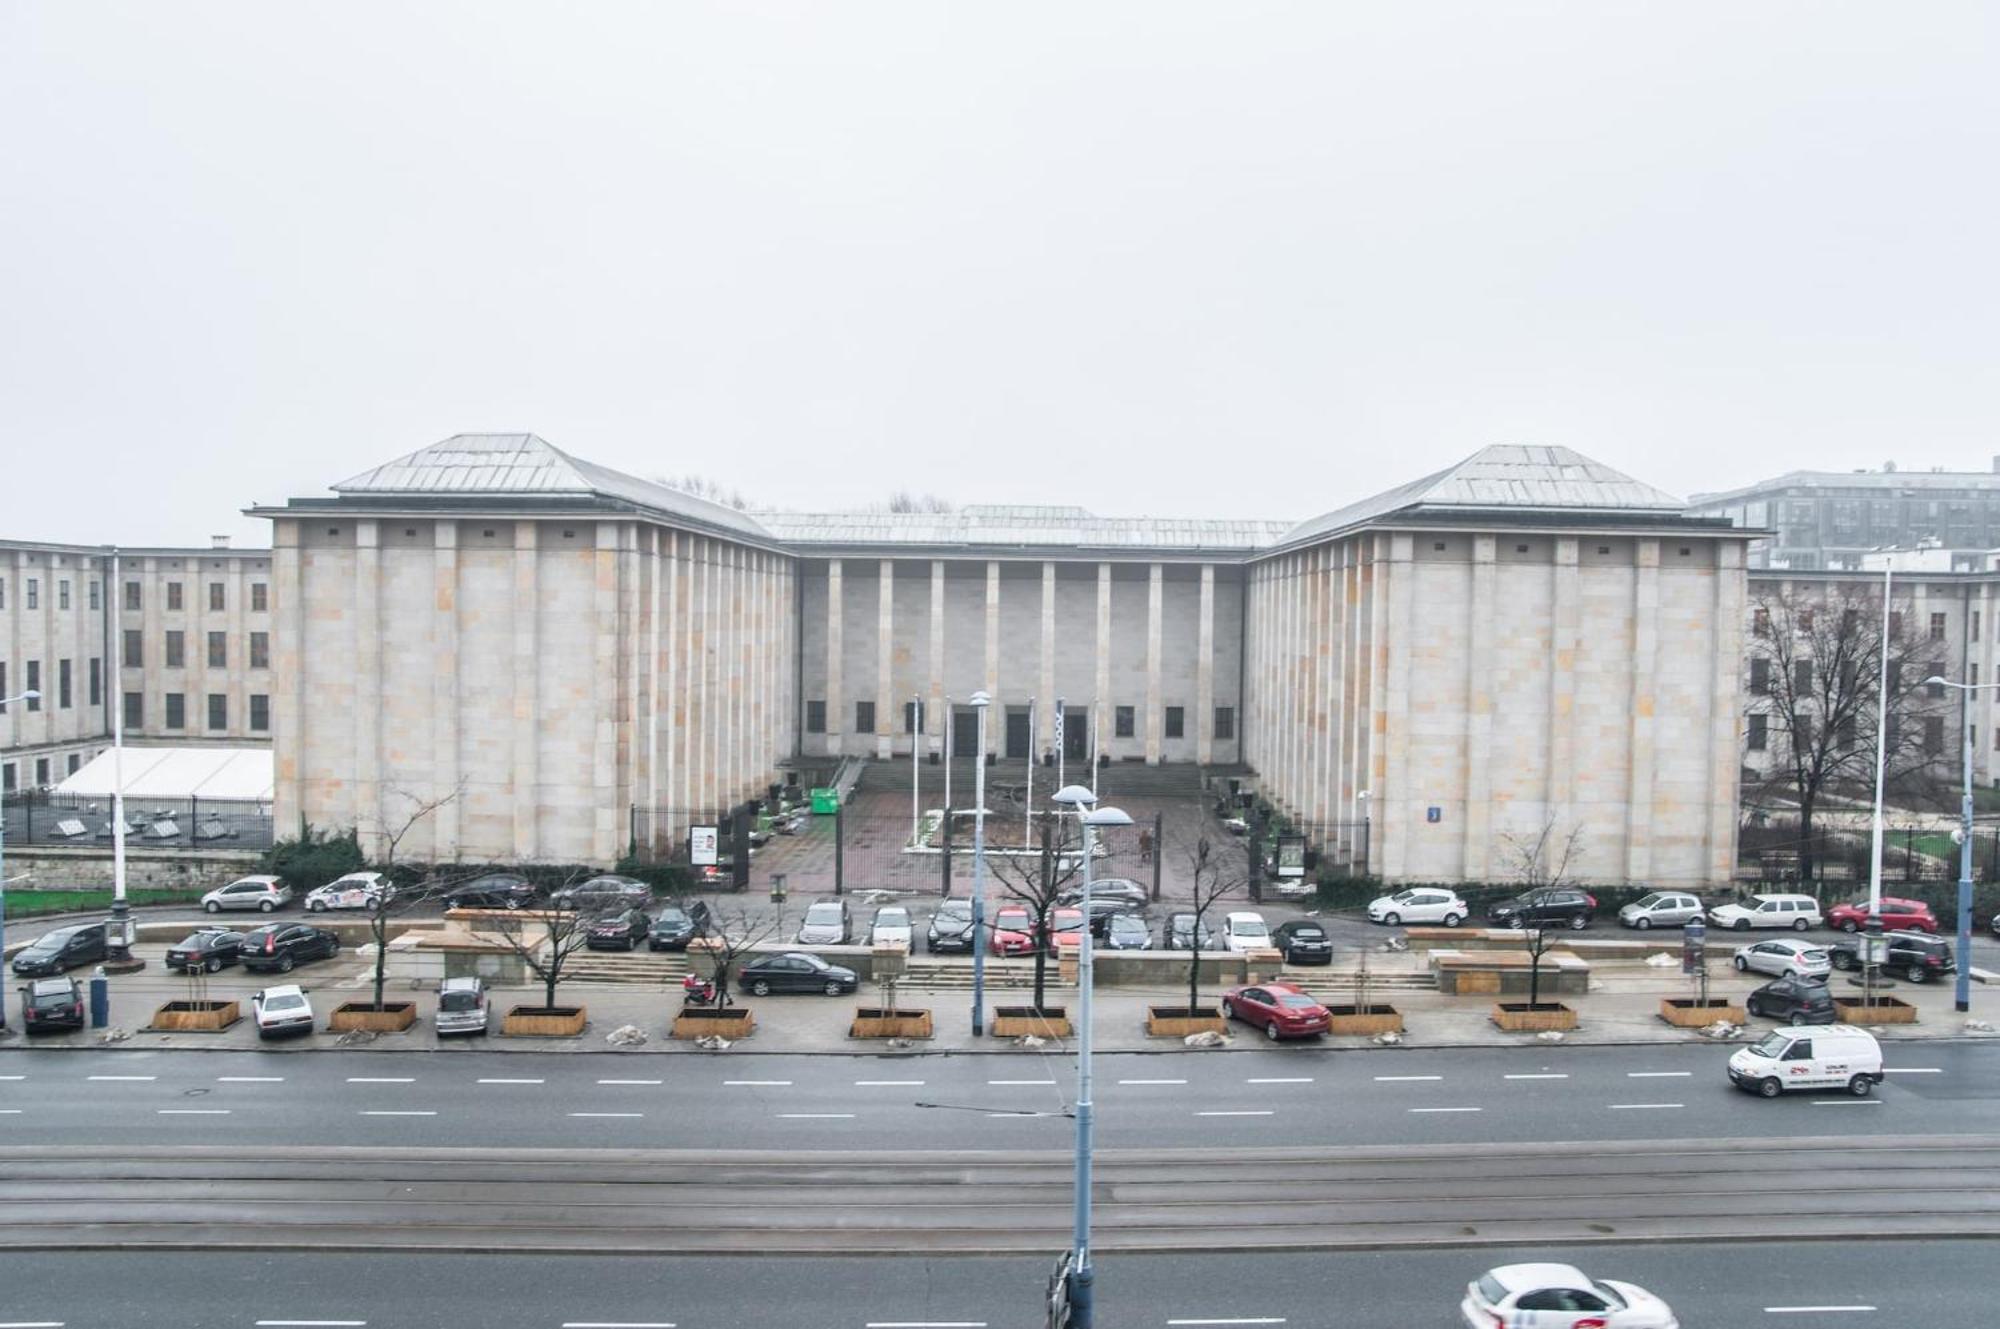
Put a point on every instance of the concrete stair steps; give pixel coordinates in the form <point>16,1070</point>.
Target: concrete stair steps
<point>647,968</point>
<point>1340,982</point>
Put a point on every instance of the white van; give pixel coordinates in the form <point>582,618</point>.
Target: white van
<point>1832,1056</point>
<point>1245,931</point>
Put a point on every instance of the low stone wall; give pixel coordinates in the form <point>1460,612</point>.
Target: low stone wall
<point>1507,973</point>
<point>51,867</point>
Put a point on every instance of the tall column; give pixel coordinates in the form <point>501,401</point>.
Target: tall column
<point>836,693</point>
<point>1045,699</point>
<point>1101,700</point>
<point>527,622</point>
<point>1565,620</point>
<point>291,730</point>
<point>445,776</point>
<point>1645,639</point>
<point>1725,759</point>
<point>673,711</point>
<point>1392,651</point>
<point>1156,719</point>
<point>993,730</point>
<point>367,674</point>
<point>694,684</point>
<point>885,659</point>
<point>1479,713</point>
<point>605,689</point>
<point>659,691</point>
<point>1204,671</point>
<point>934,722</point>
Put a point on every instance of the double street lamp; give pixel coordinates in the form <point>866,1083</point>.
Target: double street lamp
<point>1963,967</point>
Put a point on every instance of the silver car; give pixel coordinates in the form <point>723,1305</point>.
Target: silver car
<point>1785,958</point>
<point>265,893</point>
<point>1662,909</point>
<point>461,1006</point>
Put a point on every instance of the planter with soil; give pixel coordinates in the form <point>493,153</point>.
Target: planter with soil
<point>1694,1013</point>
<point>544,1021</point>
<point>391,1017</point>
<point>730,1022</point>
<point>1882,1010</point>
<point>1368,1020</point>
<point>1179,1021</point>
<point>878,1022</point>
<point>195,1017</point>
<point>1021,1021</point>
<point>1533,1017</point>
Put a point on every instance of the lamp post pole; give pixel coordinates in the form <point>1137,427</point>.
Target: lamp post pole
<point>916,742</point>
<point>1962,996</point>
<point>29,695</point>
<point>980,701</point>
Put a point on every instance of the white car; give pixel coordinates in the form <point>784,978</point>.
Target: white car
<point>282,1011</point>
<point>1831,1056</point>
<point>1559,1296</point>
<point>1419,904</point>
<point>1661,909</point>
<point>1785,958</point>
<point>1797,912</point>
<point>891,927</point>
<point>264,893</point>
<point>1245,931</point>
<point>356,890</point>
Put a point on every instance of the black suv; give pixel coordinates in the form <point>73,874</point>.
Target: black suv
<point>52,1003</point>
<point>1794,1000</point>
<point>280,946</point>
<point>950,927</point>
<point>1917,956</point>
<point>1303,941</point>
<point>63,948</point>
<point>1551,904</point>
<point>495,890</point>
<point>209,949</point>
<point>678,924</point>
<point>619,930</point>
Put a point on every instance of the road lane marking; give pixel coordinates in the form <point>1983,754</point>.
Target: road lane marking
<point>1814,1310</point>
<point>310,1324</point>
<point>381,1079</point>
<point>883,1083</point>
<point>1279,1079</point>
<point>607,1114</point>
<point>814,1116</point>
<point>1913,1070</point>
<point>1261,1112</point>
<point>926,1324</point>
<point>1152,1082</point>
<point>121,1077</point>
<point>13,1077</point>
<point>1458,1109</point>
<point>1555,1075</point>
<point>496,1080</point>
<point>30,1324</point>
<point>9,1112</point>
<point>1641,1107</point>
<point>1658,1075</point>
<point>631,1081</point>
<point>384,1113</point>
<point>192,1112</point>
<point>250,1079</point>
<point>777,1083</point>
<point>1020,1082</point>
<point>1391,1079</point>
<point>1271,1319</point>
<point>1020,1114</point>
<point>617,1324</point>
<point>1847,1102</point>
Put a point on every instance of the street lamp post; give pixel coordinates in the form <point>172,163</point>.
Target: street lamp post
<point>30,695</point>
<point>1083,1277</point>
<point>1963,995</point>
<point>980,701</point>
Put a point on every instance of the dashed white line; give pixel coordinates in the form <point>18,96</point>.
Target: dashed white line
<point>617,1324</point>
<point>767,1083</point>
<point>381,1079</point>
<point>1658,1075</point>
<point>13,1077</point>
<point>122,1077</point>
<point>10,1112</point>
<point>1271,1319</point>
<point>497,1080</point>
<point>1551,1075</point>
<point>1020,1114</point>
<point>926,1324</point>
<point>1020,1082</point>
<point>1847,1102</point>
<point>884,1083</point>
<point>1913,1070</point>
<point>1152,1082</point>
<point>607,1114</point>
<point>1262,1112</point>
<point>1279,1079</point>
<point>385,1113</point>
<point>1402,1079</point>
<point>1454,1109</point>
<point>250,1079</point>
<point>1642,1107</point>
<point>192,1112</point>
<point>311,1324</point>
<point>815,1116</point>
<point>1815,1310</point>
<point>30,1324</point>
<point>631,1081</point>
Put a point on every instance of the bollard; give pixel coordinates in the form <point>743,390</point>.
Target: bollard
<point>100,999</point>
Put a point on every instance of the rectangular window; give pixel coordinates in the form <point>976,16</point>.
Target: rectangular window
<point>173,595</point>
<point>176,711</point>
<point>96,680</point>
<point>260,597</point>
<point>176,649</point>
<point>34,684</point>
<point>95,599</point>
<point>815,710</point>
<point>3,686</point>
<point>1176,721</point>
<point>1937,627</point>
<point>1122,722</point>
<point>1225,722</point>
<point>8,778</point>
<point>1975,625</point>
<point>131,595</point>
<point>1937,671</point>
<point>215,597</point>
<point>1933,734</point>
<point>260,658</point>
<point>62,593</point>
<point>1802,733</point>
<point>134,656</point>
<point>1802,678</point>
<point>63,698</point>
<point>1895,622</point>
<point>913,716</point>
<point>1759,733</point>
<point>260,712</point>
<point>34,592</point>
<point>135,709</point>
<point>42,772</point>
<point>864,717</point>
<point>3,605</point>
<point>1805,620</point>
<point>218,650</point>
<point>1760,622</point>
<point>1760,677</point>
<point>218,711</point>
<point>75,760</point>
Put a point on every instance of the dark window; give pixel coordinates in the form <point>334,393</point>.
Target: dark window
<point>1760,622</point>
<point>1225,722</point>
<point>1896,676</point>
<point>62,594</point>
<point>260,650</point>
<point>1849,620</point>
<point>1937,627</point>
<point>913,716</point>
<point>215,597</point>
<point>1975,625</point>
<point>7,778</point>
<point>131,595</point>
<point>1802,682</point>
<point>42,772</point>
<point>1760,677</point>
<point>34,593</point>
<point>1802,733</point>
<point>260,712</point>
<point>1805,620</point>
<point>176,648</point>
<point>75,761</point>
<point>63,698</point>
<point>1933,734</point>
<point>135,710</point>
<point>134,657</point>
<point>3,686</point>
<point>1759,732</point>
<point>173,595</point>
<point>93,595</point>
<point>96,680</point>
<point>1895,622</point>
<point>218,711</point>
<point>1176,721</point>
<point>260,597</point>
<point>34,684</point>
<point>815,710</point>
<point>1937,671</point>
<point>1122,722</point>
<point>864,717</point>
<point>218,650</point>
<point>176,711</point>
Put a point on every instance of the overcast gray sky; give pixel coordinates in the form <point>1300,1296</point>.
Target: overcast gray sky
<point>1220,259</point>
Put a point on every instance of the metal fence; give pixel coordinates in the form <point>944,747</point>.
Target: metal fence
<point>39,817</point>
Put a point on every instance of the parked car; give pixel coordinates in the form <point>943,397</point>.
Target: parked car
<point>1898,914</point>
<point>1065,930</point>
<point>281,1012</point>
<point>1995,925</point>
<point>1560,1296</point>
<point>891,927</point>
<point>1783,956</point>
<point>1545,907</point>
<point>677,924</point>
<point>1126,932</point>
<point>1279,1009</point>
<point>795,971</point>
<point>462,1006</point>
<point>1013,931</point>
<point>827,923</point>
<point>61,948</point>
<point>1797,912</point>
<point>356,890</point>
<point>1108,888</point>
<point>1245,930</point>
<point>1303,941</point>
<point>208,949</point>
<point>283,946</point>
<point>1794,1001</point>
<point>619,930</point>
<point>604,893</point>
<point>1916,956</point>
<point>1661,909</point>
<point>1103,911</point>
<point>262,893</point>
<point>1419,904</point>
<point>495,890</point>
<point>1837,1057</point>
<point>950,928</point>
<point>51,1003</point>
<point>1180,933</point>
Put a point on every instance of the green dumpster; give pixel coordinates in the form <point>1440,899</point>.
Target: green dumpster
<point>826,800</point>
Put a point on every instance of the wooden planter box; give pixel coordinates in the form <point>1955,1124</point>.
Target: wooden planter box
<point>1369,1020</point>
<point>1020,1021</point>
<point>875,1022</point>
<point>1884,1010</point>
<point>1178,1022</point>
<point>1521,1017</point>
<point>544,1021</point>
<point>392,1018</point>
<point>197,1016</point>
<point>730,1022</point>
<point>1692,1013</point>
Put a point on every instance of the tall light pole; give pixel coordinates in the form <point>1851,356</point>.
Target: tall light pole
<point>1083,1277</point>
<point>118,957</point>
<point>1881,766</point>
<point>1963,995</point>
<point>980,702</point>
<point>916,742</point>
<point>30,695</point>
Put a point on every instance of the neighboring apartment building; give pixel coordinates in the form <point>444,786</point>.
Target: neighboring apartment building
<point>1831,520</point>
<point>182,643</point>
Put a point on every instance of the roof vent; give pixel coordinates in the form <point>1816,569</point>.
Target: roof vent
<point>218,542</point>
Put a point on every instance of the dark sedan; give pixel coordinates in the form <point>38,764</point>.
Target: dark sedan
<point>52,1003</point>
<point>60,949</point>
<point>209,949</point>
<point>1103,911</point>
<point>604,893</point>
<point>1180,934</point>
<point>619,931</point>
<point>676,925</point>
<point>495,890</point>
<point>950,927</point>
<point>795,971</point>
<point>283,946</point>
<point>1127,932</point>
<point>1793,1001</point>
<point>1303,941</point>
<point>1550,905</point>
<point>1123,889</point>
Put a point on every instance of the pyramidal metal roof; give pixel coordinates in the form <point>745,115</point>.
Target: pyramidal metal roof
<point>1508,477</point>
<point>527,465</point>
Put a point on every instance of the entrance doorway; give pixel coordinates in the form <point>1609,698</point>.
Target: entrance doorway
<point>1076,735</point>
<point>1017,732</point>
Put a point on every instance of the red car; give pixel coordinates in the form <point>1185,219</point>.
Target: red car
<point>1066,928</point>
<point>1279,1009</point>
<point>1898,915</point>
<point>1013,931</point>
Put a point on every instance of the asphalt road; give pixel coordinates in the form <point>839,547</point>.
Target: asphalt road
<point>1788,1285</point>
<point>1292,1094</point>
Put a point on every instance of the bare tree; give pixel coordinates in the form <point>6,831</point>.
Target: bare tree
<point>727,939</point>
<point>1213,877</point>
<point>394,898</point>
<point>546,939</point>
<point>905,501</point>
<point>1815,661</point>
<point>1541,861</point>
<point>1036,882</point>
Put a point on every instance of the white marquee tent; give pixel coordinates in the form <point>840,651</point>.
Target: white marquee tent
<point>178,773</point>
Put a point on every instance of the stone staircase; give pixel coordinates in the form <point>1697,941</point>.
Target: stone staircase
<point>640,967</point>
<point>1336,984</point>
<point>956,975</point>
<point>1120,779</point>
